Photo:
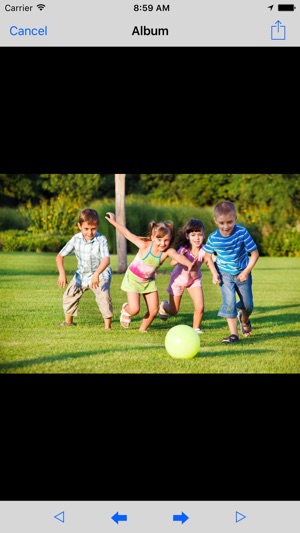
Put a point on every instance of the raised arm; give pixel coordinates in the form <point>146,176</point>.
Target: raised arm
<point>140,243</point>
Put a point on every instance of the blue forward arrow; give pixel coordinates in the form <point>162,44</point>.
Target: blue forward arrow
<point>239,516</point>
<point>180,518</point>
<point>119,517</point>
<point>60,516</point>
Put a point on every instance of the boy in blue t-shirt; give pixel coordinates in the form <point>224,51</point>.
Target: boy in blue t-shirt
<point>232,245</point>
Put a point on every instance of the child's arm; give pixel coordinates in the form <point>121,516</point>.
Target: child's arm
<point>243,276</point>
<point>209,262</point>
<point>62,278</point>
<point>140,243</point>
<point>95,277</point>
<point>175,256</point>
<point>173,262</point>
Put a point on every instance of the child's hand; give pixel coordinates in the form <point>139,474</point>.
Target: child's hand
<point>216,279</point>
<point>110,217</point>
<point>193,269</point>
<point>94,281</point>
<point>62,281</point>
<point>242,276</point>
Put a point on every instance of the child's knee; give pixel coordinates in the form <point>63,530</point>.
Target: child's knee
<point>133,309</point>
<point>248,310</point>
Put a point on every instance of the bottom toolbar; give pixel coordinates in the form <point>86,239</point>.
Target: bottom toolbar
<point>150,516</point>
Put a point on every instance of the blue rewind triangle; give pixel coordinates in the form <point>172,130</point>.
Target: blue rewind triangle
<point>60,516</point>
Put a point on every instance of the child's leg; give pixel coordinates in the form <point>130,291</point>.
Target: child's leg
<point>133,303</point>
<point>71,299</point>
<point>244,290</point>
<point>172,307</point>
<point>245,305</point>
<point>232,324</point>
<point>228,309</point>
<point>151,299</point>
<point>103,299</point>
<point>107,323</point>
<point>196,294</point>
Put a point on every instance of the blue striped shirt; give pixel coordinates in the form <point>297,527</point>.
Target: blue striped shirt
<point>89,255</point>
<point>231,251</point>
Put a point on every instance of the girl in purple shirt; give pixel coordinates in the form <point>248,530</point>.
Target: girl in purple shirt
<point>189,243</point>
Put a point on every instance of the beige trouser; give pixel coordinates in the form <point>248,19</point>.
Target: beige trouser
<point>73,294</point>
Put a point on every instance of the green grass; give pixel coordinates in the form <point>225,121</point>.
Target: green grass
<point>32,342</point>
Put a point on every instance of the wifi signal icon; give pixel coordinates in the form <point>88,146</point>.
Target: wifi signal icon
<point>40,6</point>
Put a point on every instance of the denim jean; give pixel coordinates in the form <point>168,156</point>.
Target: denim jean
<point>230,286</point>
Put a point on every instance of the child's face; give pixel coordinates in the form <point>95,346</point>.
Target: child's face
<point>88,230</point>
<point>226,223</point>
<point>161,243</point>
<point>196,238</point>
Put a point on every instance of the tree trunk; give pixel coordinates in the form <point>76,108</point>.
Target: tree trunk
<point>121,218</point>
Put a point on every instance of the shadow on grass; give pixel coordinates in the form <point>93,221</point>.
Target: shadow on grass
<point>21,273</point>
<point>260,315</point>
<point>234,349</point>
<point>64,357</point>
<point>226,351</point>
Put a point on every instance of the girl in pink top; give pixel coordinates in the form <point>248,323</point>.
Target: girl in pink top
<point>189,243</point>
<point>139,278</point>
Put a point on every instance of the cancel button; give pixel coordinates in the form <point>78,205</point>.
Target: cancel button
<point>14,30</point>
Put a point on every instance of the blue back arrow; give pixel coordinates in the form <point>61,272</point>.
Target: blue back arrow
<point>180,518</point>
<point>119,517</point>
<point>60,516</point>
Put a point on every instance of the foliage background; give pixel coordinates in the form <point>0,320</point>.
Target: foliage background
<point>38,212</point>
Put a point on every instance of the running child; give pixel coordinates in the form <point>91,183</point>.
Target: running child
<point>190,244</point>
<point>139,278</point>
<point>237,254</point>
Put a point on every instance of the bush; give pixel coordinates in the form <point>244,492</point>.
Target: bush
<point>22,241</point>
<point>59,215</point>
<point>139,212</point>
<point>54,229</point>
<point>284,243</point>
<point>11,219</point>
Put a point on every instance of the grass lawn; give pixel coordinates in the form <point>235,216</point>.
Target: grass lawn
<point>33,343</point>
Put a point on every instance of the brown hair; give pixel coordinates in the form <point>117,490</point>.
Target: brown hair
<point>223,208</point>
<point>89,215</point>
<point>194,224</point>
<point>160,229</point>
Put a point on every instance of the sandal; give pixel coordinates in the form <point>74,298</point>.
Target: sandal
<point>125,317</point>
<point>245,328</point>
<point>231,338</point>
<point>162,313</point>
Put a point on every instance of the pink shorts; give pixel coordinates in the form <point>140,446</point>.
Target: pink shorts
<point>177,290</point>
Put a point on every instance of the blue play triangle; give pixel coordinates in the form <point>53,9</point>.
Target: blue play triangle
<point>239,516</point>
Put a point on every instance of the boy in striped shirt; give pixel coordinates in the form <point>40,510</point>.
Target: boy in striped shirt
<point>232,244</point>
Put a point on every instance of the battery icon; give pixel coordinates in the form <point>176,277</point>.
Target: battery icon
<point>286,7</point>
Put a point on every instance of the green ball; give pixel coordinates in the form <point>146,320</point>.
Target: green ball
<point>182,342</point>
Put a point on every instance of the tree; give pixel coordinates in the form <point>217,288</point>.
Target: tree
<point>121,218</point>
